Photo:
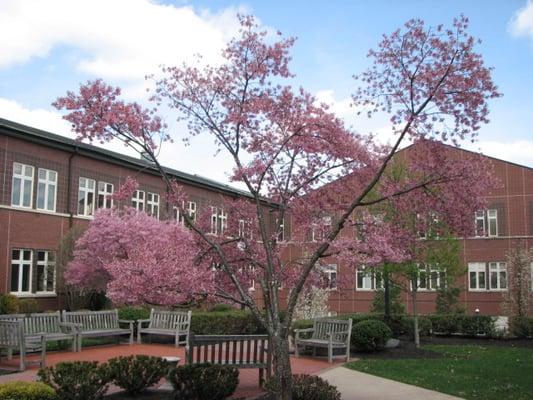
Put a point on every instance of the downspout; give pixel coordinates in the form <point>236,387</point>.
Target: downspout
<point>69,188</point>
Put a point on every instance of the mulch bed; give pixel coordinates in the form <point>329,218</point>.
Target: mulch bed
<point>148,395</point>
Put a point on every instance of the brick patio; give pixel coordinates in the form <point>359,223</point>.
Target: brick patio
<point>248,378</point>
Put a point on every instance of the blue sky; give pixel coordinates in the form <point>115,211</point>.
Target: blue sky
<point>49,47</point>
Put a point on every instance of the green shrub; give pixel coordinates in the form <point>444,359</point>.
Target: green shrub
<point>9,304</point>
<point>203,381</point>
<point>26,391</point>
<point>396,305</point>
<point>308,387</point>
<point>370,335</point>
<point>521,327</point>
<point>225,323</point>
<point>222,307</point>
<point>424,326</point>
<point>467,325</point>
<point>28,306</point>
<point>135,374</point>
<point>79,380</point>
<point>133,313</point>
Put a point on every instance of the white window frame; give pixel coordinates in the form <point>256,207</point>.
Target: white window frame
<point>369,277</point>
<point>498,268</point>
<point>23,179</point>
<point>479,216</point>
<point>50,186</point>
<point>219,221</point>
<point>152,204</point>
<point>191,209</point>
<point>105,194</point>
<point>492,215</point>
<point>330,270</point>
<point>46,264</point>
<point>137,201</point>
<point>477,268</point>
<point>21,262</point>
<point>87,211</point>
<point>280,230</point>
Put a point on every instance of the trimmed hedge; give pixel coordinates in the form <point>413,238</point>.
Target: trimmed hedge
<point>9,304</point>
<point>225,323</point>
<point>133,313</point>
<point>308,387</point>
<point>26,391</point>
<point>370,335</point>
<point>466,325</point>
<point>137,373</point>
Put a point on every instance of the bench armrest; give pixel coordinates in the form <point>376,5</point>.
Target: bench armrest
<point>71,327</point>
<point>126,321</point>
<point>140,322</point>
<point>298,331</point>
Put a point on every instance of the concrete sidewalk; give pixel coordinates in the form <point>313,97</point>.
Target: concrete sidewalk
<point>355,385</point>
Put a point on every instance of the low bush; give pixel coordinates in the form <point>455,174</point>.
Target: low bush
<point>222,307</point>
<point>521,327</point>
<point>79,380</point>
<point>135,374</point>
<point>467,325</point>
<point>28,306</point>
<point>133,313</point>
<point>9,304</point>
<point>424,326</point>
<point>308,387</point>
<point>26,391</point>
<point>370,335</point>
<point>225,323</point>
<point>203,382</point>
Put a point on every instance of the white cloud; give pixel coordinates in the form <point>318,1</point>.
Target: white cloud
<point>517,151</point>
<point>114,39</point>
<point>522,22</point>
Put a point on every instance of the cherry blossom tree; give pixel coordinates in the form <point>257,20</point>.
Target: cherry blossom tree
<point>297,159</point>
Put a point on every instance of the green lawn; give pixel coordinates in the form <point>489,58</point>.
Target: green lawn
<point>472,372</point>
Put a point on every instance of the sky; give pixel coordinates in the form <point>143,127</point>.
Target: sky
<point>51,46</point>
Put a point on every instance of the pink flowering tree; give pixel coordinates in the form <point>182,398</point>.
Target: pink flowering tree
<point>306,172</point>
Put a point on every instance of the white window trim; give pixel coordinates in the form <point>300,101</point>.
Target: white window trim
<point>86,190</point>
<point>105,194</point>
<point>150,204</point>
<point>20,262</point>
<point>477,267</point>
<point>328,270</point>
<point>136,200</point>
<point>46,264</point>
<point>46,182</point>
<point>495,218</point>
<point>191,208</point>
<point>23,178</point>
<point>500,266</point>
<point>479,215</point>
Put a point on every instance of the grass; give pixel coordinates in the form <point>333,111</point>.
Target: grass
<point>472,372</point>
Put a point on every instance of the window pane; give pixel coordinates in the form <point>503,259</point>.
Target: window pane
<point>52,176</point>
<point>40,278</point>
<point>15,254</point>
<point>360,276</point>
<point>90,206</point>
<point>81,202</point>
<point>482,280</point>
<point>27,255</point>
<point>473,283</point>
<point>41,187</point>
<point>50,278</point>
<point>28,171</point>
<point>51,197</point>
<point>503,280</point>
<point>14,278</point>
<point>27,194</point>
<point>26,278</point>
<point>42,174</point>
<point>40,256</point>
<point>17,168</point>
<point>15,192</point>
<point>494,280</point>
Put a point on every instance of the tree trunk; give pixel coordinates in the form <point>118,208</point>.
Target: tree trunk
<point>415,318</point>
<point>282,367</point>
<point>386,297</point>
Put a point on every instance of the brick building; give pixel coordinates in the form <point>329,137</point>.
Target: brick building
<point>49,183</point>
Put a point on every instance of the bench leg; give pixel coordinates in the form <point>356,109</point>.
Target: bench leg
<point>43,352</point>
<point>261,377</point>
<point>79,343</point>
<point>139,341</point>
<point>10,353</point>
<point>22,356</point>
<point>296,352</point>
<point>330,353</point>
<point>131,337</point>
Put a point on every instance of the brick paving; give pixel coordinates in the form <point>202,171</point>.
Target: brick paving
<point>248,378</point>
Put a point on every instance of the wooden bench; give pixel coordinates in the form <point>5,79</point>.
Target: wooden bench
<point>168,323</point>
<point>241,351</point>
<point>98,324</point>
<point>12,338</point>
<point>327,333</point>
<point>36,325</point>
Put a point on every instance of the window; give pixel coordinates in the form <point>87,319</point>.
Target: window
<point>477,278</point>
<point>498,276</point>
<point>492,219</point>
<point>430,278</point>
<point>480,223</point>
<point>280,226</point>
<point>21,262</point>
<point>191,208</point>
<point>329,276</point>
<point>368,279</point>
<point>105,190</point>
<point>22,187</point>
<point>46,272</point>
<point>137,201</point>
<point>46,189</point>
<point>152,204</point>
<point>86,197</point>
<point>219,221</point>
<point>319,229</point>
